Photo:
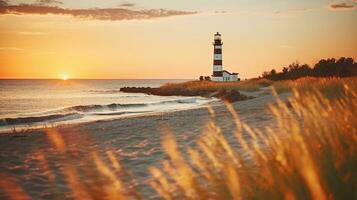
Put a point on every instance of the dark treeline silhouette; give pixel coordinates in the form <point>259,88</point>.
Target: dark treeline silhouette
<point>343,67</point>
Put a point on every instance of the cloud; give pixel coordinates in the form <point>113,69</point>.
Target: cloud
<point>220,12</point>
<point>342,6</point>
<point>31,33</point>
<point>10,49</point>
<point>109,14</point>
<point>292,11</point>
<point>127,5</point>
<point>48,2</point>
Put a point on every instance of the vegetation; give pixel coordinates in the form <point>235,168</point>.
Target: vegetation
<point>205,78</point>
<point>343,67</point>
<point>331,87</point>
<point>210,86</point>
<point>311,154</point>
<point>227,91</point>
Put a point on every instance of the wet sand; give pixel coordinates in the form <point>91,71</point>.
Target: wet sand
<point>136,140</point>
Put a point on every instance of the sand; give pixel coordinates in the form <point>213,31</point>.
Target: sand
<point>136,140</point>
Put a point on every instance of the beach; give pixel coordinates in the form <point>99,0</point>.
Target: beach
<point>136,140</point>
<point>171,100</point>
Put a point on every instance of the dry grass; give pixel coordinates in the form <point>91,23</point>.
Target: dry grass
<point>311,155</point>
<point>329,87</point>
<point>248,85</point>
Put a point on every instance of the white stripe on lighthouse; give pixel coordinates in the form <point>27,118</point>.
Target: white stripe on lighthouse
<point>217,56</point>
<point>218,46</point>
<point>217,68</point>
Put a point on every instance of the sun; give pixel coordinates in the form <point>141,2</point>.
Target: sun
<point>64,77</point>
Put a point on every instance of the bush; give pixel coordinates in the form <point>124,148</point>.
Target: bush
<point>343,67</point>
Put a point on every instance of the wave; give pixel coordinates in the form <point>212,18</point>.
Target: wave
<point>29,120</point>
<point>110,107</point>
<point>115,106</point>
<point>114,109</point>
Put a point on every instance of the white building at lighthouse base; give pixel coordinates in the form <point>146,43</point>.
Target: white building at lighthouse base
<point>226,77</point>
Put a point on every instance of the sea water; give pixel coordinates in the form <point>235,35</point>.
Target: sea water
<point>45,103</point>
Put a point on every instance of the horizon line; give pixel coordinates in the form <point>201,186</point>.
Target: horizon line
<point>97,79</point>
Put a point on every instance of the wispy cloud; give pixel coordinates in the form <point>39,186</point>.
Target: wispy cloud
<point>220,12</point>
<point>10,49</point>
<point>343,6</point>
<point>292,11</point>
<point>31,33</point>
<point>48,2</point>
<point>127,5</point>
<point>112,14</point>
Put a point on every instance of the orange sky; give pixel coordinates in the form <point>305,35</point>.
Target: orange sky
<point>257,36</point>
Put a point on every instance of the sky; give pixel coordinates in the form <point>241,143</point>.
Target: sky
<point>144,39</point>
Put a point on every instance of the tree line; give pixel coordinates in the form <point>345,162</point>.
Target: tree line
<point>343,67</point>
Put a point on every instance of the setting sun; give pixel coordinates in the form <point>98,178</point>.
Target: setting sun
<point>64,77</point>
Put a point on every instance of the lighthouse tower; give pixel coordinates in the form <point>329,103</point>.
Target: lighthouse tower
<point>218,73</point>
<point>217,58</point>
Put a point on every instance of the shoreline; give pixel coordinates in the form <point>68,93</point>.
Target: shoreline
<point>239,96</point>
<point>218,104</point>
<point>149,114</point>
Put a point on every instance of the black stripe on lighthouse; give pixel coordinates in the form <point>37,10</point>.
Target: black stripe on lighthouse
<point>217,62</point>
<point>217,51</point>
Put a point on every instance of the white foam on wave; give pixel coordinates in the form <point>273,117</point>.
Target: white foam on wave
<point>87,113</point>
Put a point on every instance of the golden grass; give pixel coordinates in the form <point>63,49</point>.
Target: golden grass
<point>248,85</point>
<point>329,87</point>
<point>311,154</point>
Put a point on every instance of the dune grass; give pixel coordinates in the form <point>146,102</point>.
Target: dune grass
<point>251,85</point>
<point>330,87</point>
<point>312,154</point>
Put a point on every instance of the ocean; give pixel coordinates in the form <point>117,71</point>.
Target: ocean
<point>45,103</point>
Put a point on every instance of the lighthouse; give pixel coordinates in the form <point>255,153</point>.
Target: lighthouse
<point>217,56</point>
<point>218,73</point>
